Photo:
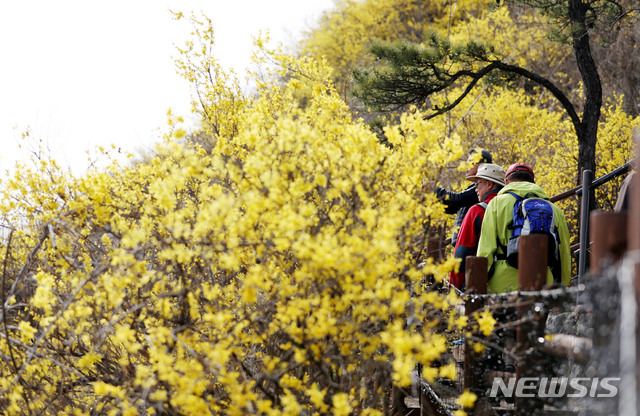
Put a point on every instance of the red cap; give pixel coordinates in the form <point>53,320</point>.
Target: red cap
<point>519,167</point>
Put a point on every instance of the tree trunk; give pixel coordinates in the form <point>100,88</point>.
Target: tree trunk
<point>588,131</point>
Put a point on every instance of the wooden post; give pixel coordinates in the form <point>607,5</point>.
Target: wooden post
<point>436,247</point>
<point>532,275</point>
<point>475,284</point>
<point>609,238</point>
<point>429,406</point>
<point>609,243</point>
<point>475,276</point>
<point>436,244</point>
<point>398,406</point>
<point>532,262</point>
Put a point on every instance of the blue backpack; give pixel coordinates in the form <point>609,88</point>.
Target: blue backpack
<point>534,215</point>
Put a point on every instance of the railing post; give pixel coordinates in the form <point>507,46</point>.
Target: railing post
<point>398,406</point>
<point>436,244</point>
<point>429,406</point>
<point>532,262</point>
<point>532,275</point>
<point>587,178</point>
<point>609,239</point>
<point>475,284</point>
<point>609,243</point>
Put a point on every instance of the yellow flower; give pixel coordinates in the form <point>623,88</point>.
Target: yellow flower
<point>448,371</point>
<point>478,347</point>
<point>341,406</point>
<point>27,332</point>
<point>316,396</point>
<point>89,359</point>
<point>486,322</point>
<point>467,399</point>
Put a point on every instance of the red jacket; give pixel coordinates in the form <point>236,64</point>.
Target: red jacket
<point>468,237</point>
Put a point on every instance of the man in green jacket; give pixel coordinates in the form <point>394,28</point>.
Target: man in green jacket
<point>495,233</point>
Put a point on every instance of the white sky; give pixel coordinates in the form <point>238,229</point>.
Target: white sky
<point>83,73</point>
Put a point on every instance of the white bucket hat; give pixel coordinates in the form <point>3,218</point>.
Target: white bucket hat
<point>490,172</point>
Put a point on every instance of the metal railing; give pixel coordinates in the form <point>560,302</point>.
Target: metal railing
<point>584,191</point>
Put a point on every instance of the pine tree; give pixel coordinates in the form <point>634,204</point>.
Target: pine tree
<point>411,73</point>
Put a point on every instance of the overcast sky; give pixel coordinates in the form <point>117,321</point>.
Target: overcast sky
<point>83,73</point>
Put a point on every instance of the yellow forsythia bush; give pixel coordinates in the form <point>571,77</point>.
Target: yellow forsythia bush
<point>272,268</point>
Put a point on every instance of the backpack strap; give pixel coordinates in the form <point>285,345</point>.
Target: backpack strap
<point>516,196</point>
<point>503,248</point>
<point>477,223</point>
<point>510,225</point>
